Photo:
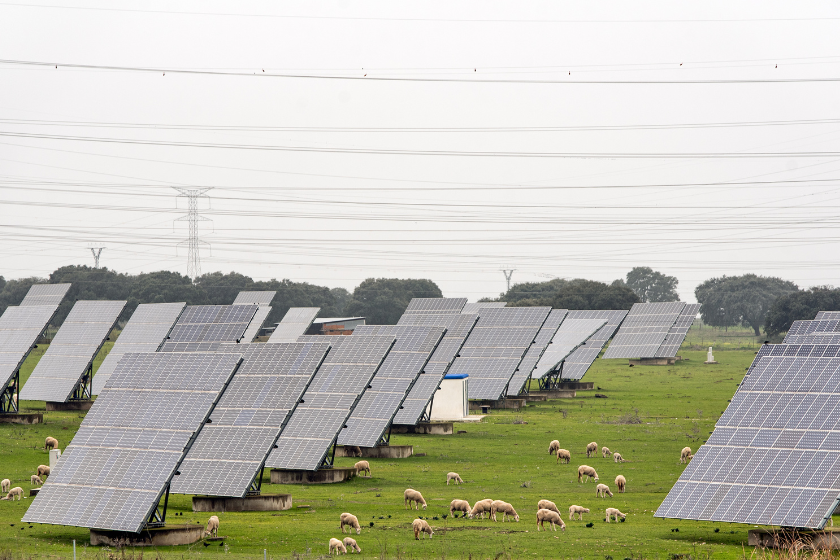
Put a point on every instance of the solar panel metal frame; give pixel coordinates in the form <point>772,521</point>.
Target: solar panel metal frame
<point>256,323</point>
<point>571,335</point>
<point>520,381</point>
<point>676,335</point>
<point>578,363</point>
<point>261,298</point>
<point>435,306</point>
<point>45,294</point>
<point>474,308</point>
<point>294,323</point>
<point>644,330</point>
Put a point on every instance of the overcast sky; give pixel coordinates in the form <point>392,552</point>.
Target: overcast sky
<point>438,140</point>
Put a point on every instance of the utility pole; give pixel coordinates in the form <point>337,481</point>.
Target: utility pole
<point>508,272</point>
<point>193,217</point>
<point>96,252</point>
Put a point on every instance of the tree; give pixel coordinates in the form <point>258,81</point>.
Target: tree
<point>651,285</point>
<point>383,300</point>
<point>745,300</point>
<point>800,306</point>
<point>570,294</point>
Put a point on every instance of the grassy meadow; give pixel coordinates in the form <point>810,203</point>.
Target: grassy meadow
<point>649,415</point>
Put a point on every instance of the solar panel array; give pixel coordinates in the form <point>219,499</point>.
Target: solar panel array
<point>328,402</point>
<point>20,328</point>
<point>145,332</point>
<point>578,363</point>
<point>818,331</point>
<point>474,308</point>
<point>827,315</point>
<point>435,306</point>
<point>258,298</point>
<point>228,454</point>
<point>75,345</point>
<point>256,323</point>
<point>774,456</point>
<point>382,400</point>
<point>295,323</point>
<point>495,347</point>
<point>130,443</point>
<point>569,337</point>
<point>671,345</point>
<point>458,327</point>
<point>45,294</point>
<point>644,330</point>
<point>532,356</point>
<point>212,323</point>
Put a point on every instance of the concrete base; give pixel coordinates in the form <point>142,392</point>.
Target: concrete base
<point>69,405</point>
<point>33,492</point>
<point>323,476</point>
<point>264,502</point>
<point>433,428</point>
<point>558,394</point>
<point>575,386</point>
<point>17,418</point>
<point>533,398</point>
<point>383,452</point>
<point>164,536</point>
<point>508,404</point>
<point>794,538</point>
<point>655,361</point>
<point>710,362</point>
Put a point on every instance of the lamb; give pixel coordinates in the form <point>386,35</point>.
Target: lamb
<point>612,512</point>
<point>577,510</point>
<point>481,507</point>
<point>14,493</point>
<point>453,476</point>
<point>5,484</point>
<point>420,526</point>
<point>605,451</point>
<point>588,472</point>
<point>591,449</point>
<point>603,491</point>
<point>546,504</point>
<point>564,455</point>
<point>414,498</point>
<point>460,505</point>
<point>552,517</point>
<point>362,466</point>
<point>351,543</point>
<point>352,451</point>
<point>618,458</point>
<point>50,443</point>
<point>686,455</point>
<point>212,526</point>
<point>35,480</point>
<point>43,470</point>
<point>351,521</point>
<point>337,546</point>
<point>621,482</point>
<point>553,447</point>
<point>498,506</point>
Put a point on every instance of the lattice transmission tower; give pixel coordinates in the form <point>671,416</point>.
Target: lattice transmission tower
<point>97,251</point>
<point>193,217</point>
<point>508,272</point>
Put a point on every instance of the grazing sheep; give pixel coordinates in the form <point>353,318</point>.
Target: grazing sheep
<point>352,451</point>
<point>612,512</point>
<point>351,521</point>
<point>546,504</point>
<point>337,546</point>
<point>212,526</point>
<point>564,455</point>
<point>362,466</point>
<point>621,482</point>
<point>591,449</point>
<point>686,455</point>
<point>14,493</point>
<point>605,451</point>
<point>481,507</point>
<point>351,543</point>
<point>618,458</point>
<point>577,510</point>
<point>35,480</point>
<point>414,498</point>
<point>5,484</point>
<point>552,517</point>
<point>460,505</point>
<point>50,443</point>
<point>453,476</point>
<point>498,506</point>
<point>421,526</point>
<point>553,447</point>
<point>43,470</point>
<point>587,472</point>
<point>603,491</point>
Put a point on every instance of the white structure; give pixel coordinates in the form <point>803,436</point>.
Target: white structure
<point>450,401</point>
<point>55,455</point>
<point>710,359</point>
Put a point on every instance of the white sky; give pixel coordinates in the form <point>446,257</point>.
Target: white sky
<point>337,217</point>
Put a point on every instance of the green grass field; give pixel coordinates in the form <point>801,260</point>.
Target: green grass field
<point>650,414</point>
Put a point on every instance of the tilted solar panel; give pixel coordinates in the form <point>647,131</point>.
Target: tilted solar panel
<point>212,323</point>
<point>45,294</point>
<point>435,306</point>
<point>258,298</point>
<point>20,328</point>
<point>572,334</point>
<point>644,330</point>
<point>256,323</point>
<point>295,323</point>
<point>474,308</point>
<point>578,363</point>
<point>827,315</point>
<point>129,446</point>
<point>813,332</point>
<point>532,356</point>
<point>676,335</point>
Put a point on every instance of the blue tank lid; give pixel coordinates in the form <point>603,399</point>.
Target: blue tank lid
<point>455,376</point>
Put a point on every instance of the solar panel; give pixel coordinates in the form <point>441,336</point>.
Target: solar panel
<point>328,402</point>
<point>415,407</point>
<point>572,334</point>
<point>212,323</point>
<point>62,372</point>
<point>20,328</point>
<point>576,365</point>
<point>229,453</point>
<point>145,332</point>
<point>827,315</point>
<point>435,306</point>
<point>129,446</point>
<point>371,418</point>
<point>644,330</point>
<point>258,298</point>
<point>774,456</point>
<point>523,375</point>
<point>295,322</point>
<point>45,294</point>
<point>256,323</point>
<point>676,335</point>
<point>818,331</point>
<point>474,308</point>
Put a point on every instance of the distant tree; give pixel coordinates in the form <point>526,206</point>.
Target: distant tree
<point>800,306</point>
<point>570,294</point>
<point>651,285</point>
<point>745,300</point>
<point>221,289</point>
<point>383,300</point>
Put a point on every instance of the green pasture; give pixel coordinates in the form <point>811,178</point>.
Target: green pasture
<point>649,415</point>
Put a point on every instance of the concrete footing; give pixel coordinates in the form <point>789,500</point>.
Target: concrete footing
<point>432,428</point>
<point>508,404</point>
<point>793,539</point>
<point>655,361</point>
<point>382,452</point>
<point>164,536</point>
<point>33,492</point>
<point>69,405</point>
<point>263,502</point>
<point>556,394</point>
<point>531,397</point>
<point>17,418</point>
<point>575,386</point>
<point>323,476</point>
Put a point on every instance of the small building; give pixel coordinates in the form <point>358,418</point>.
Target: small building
<point>450,401</point>
<point>335,325</point>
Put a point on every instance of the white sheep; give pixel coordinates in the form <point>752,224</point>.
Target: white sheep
<point>460,505</point>
<point>362,467</point>
<point>577,510</point>
<point>14,493</point>
<point>212,526</point>
<point>564,455</point>
<point>453,476</point>
<point>337,547</point>
<point>5,484</point>
<point>621,482</point>
<point>552,517</point>
<point>605,451</point>
<point>591,449</point>
<point>352,451</point>
<point>414,498</point>
<point>618,458</point>
<point>498,506</point>
<point>420,526</point>
<point>586,472</point>
<point>603,491</point>
<point>35,480</point>
<point>553,447</point>
<point>351,543</point>
<point>481,507</point>
<point>351,521</point>
<point>686,455</point>
<point>613,512</point>
<point>43,470</point>
<point>547,504</point>
<point>50,443</point>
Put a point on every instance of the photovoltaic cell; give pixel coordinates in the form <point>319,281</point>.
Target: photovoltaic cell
<point>818,331</point>
<point>212,323</point>
<point>676,335</point>
<point>435,306</point>
<point>827,315</point>
<point>474,308</point>
<point>256,323</point>
<point>229,452</point>
<point>258,298</point>
<point>130,443</point>
<point>20,328</point>
<point>576,365</point>
<point>45,294</point>
<point>328,402</point>
<point>532,356</point>
<point>570,336</point>
<point>295,323</point>
<point>644,330</point>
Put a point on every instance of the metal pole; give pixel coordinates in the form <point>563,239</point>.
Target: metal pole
<point>265,554</point>
<point>74,549</point>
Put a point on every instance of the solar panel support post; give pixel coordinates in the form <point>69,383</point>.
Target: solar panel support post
<point>552,380</point>
<point>256,485</point>
<point>385,440</point>
<point>83,391</point>
<point>11,395</point>
<point>827,517</point>
<point>329,460</point>
<point>158,517</point>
